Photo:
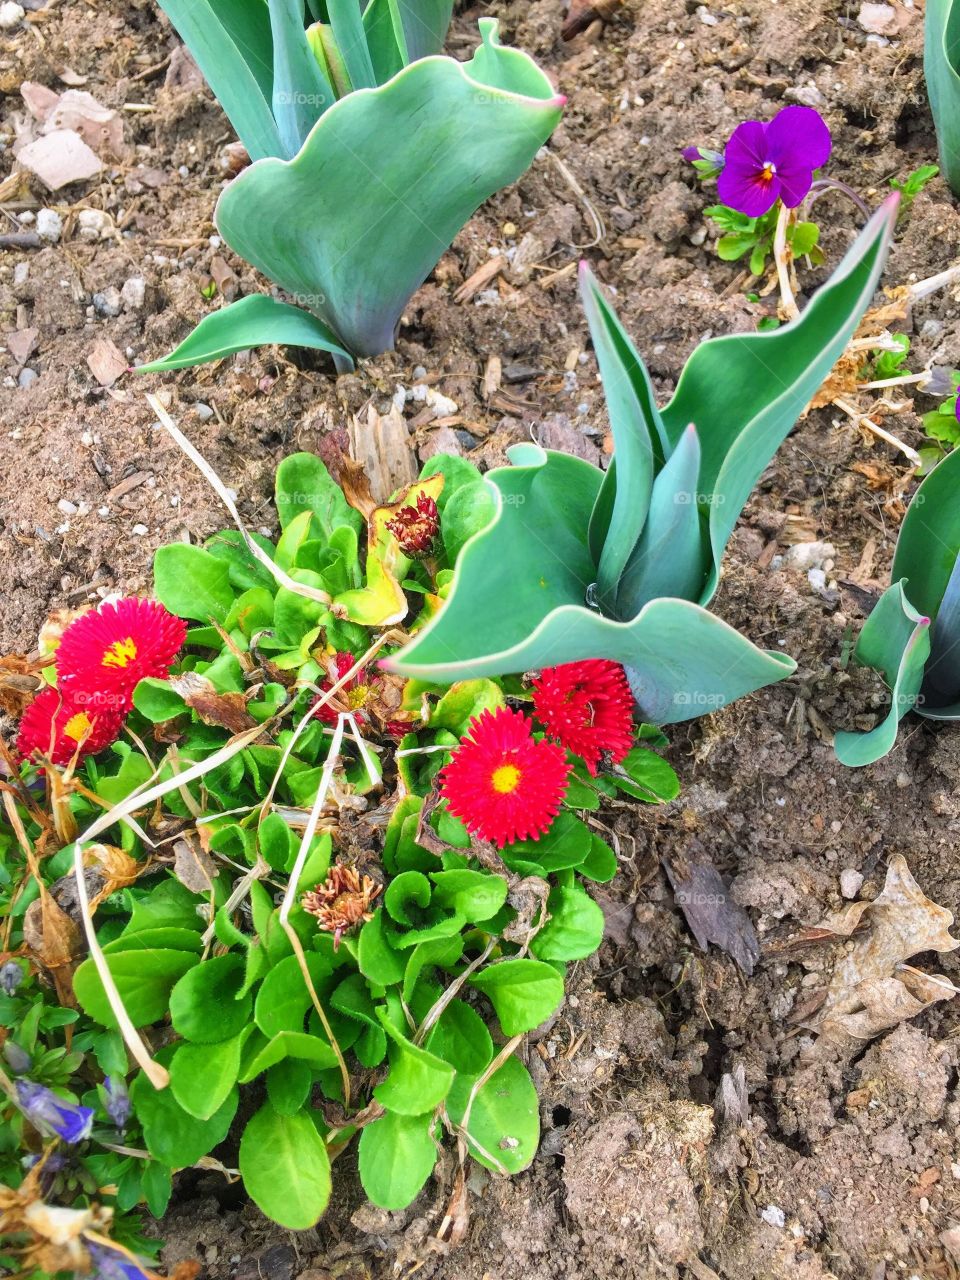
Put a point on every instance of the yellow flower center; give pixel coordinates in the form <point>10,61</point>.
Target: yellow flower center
<point>121,653</point>
<point>769,170</point>
<point>356,698</point>
<point>78,726</point>
<point>505,779</point>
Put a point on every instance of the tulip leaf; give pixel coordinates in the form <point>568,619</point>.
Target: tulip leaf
<point>301,91</point>
<point>252,322</point>
<point>232,44</point>
<point>929,540</point>
<point>376,165</point>
<point>684,661</point>
<point>621,509</point>
<point>351,38</point>
<point>896,640</point>
<point>941,677</point>
<point>941,65</point>
<point>668,560</point>
<point>744,392</point>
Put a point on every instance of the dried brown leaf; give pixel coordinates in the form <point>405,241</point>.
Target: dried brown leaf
<point>223,710</point>
<point>870,989</point>
<point>19,683</point>
<point>194,867</point>
<point>710,911</point>
<point>117,866</point>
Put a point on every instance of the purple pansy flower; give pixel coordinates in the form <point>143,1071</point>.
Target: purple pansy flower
<point>54,1115</point>
<point>764,163</point>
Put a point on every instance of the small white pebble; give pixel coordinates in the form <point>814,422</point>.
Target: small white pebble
<point>850,882</point>
<point>215,242</point>
<point>20,273</point>
<point>11,15</point>
<point>133,293</point>
<point>67,507</point>
<point>817,579</point>
<point>773,1215</point>
<point>140,530</point>
<point>103,511</point>
<point>203,411</point>
<point>49,225</point>
<point>27,218</point>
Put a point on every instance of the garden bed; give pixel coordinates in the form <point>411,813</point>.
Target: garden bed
<point>838,1164</point>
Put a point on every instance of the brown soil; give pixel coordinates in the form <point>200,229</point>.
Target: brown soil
<point>843,1162</point>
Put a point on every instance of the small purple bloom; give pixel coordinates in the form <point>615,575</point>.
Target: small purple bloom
<point>764,163</point>
<point>52,1114</point>
<point>117,1105</point>
<point>111,1264</point>
<point>690,154</point>
<point>11,975</point>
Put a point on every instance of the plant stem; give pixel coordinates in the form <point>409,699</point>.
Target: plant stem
<point>781,256</point>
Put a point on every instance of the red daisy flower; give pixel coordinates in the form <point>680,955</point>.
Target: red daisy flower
<point>588,707</point>
<point>106,652</point>
<point>57,728</point>
<point>349,697</point>
<point>503,784</point>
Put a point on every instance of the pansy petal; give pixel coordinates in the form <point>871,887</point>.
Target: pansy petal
<point>797,138</point>
<point>794,185</point>
<point>746,190</point>
<point>748,145</point>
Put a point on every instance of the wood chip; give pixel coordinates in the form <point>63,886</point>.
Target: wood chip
<point>583,13</point>
<point>128,485</point>
<point>482,277</point>
<point>106,362</point>
<point>491,377</point>
<point>382,447</point>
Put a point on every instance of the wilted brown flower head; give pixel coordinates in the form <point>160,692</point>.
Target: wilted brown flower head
<point>415,528</point>
<point>343,900</point>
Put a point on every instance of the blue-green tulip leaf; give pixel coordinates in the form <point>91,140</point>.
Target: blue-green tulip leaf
<point>744,392</point>
<point>929,540</point>
<point>351,38</point>
<point>896,640</point>
<point>668,560</point>
<point>621,510</point>
<point>301,92</point>
<point>684,661</point>
<point>355,222</point>
<point>232,44</point>
<point>251,322</point>
<point>941,65</point>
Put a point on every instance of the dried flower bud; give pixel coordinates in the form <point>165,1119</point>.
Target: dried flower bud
<point>343,900</point>
<point>416,528</point>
